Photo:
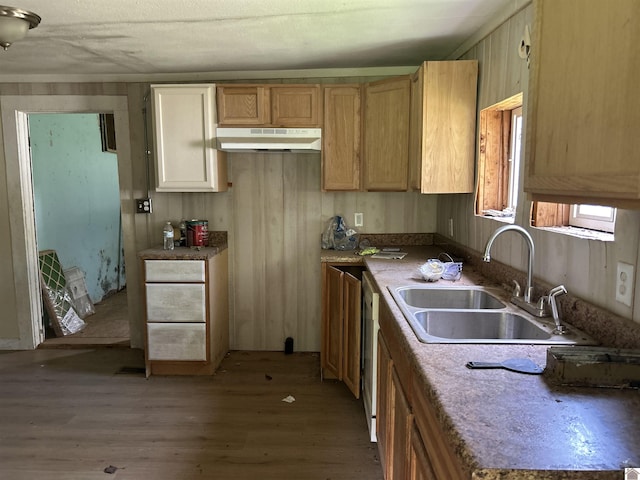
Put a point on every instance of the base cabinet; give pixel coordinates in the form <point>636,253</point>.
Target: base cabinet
<point>411,442</point>
<point>341,324</point>
<point>186,315</point>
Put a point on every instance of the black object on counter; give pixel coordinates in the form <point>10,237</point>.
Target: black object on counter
<point>520,365</point>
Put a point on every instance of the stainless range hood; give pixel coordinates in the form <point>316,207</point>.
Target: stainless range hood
<point>299,140</point>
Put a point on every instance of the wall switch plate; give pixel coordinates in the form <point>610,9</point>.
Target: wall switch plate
<point>358,219</point>
<point>143,205</point>
<point>624,283</point>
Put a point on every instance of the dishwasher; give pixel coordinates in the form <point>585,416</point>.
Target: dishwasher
<point>370,326</point>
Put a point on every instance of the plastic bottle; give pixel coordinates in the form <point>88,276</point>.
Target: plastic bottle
<point>167,235</point>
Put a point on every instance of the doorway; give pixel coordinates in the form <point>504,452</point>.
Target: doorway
<point>22,294</point>
<point>77,214</point>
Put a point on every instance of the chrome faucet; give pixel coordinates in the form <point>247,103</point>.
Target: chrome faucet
<point>528,291</point>
<point>551,298</point>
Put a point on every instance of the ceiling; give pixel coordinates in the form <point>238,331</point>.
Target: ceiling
<point>150,39</point>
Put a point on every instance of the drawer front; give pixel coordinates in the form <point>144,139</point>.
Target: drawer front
<point>174,270</point>
<point>176,302</point>
<point>177,341</point>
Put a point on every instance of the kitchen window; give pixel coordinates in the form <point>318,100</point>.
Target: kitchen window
<point>595,222</point>
<point>500,140</point>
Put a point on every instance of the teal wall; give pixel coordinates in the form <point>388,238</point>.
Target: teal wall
<point>77,198</point>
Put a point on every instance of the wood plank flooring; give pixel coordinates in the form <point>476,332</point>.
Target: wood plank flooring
<point>70,414</point>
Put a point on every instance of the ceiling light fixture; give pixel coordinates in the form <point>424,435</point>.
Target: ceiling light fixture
<point>14,24</point>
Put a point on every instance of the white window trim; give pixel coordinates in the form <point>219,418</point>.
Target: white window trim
<point>592,222</point>
<point>514,158</point>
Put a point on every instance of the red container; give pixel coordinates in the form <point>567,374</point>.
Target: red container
<point>197,233</point>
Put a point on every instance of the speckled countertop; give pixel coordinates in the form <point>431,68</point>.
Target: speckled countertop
<point>501,424</point>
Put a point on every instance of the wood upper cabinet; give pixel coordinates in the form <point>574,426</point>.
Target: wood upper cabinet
<point>341,324</point>
<point>443,127</point>
<point>341,139</point>
<point>184,128</point>
<point>296,106</point>
<point>583,114</point>
<point>386,138</point>
<point>269,105</point>
<point>243,105</point>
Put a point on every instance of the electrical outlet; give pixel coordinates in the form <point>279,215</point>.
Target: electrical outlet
<point>624,283</point>
<point>143,205</point>
<point>358,219</point>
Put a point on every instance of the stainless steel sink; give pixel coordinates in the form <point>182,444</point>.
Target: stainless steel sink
<point>470,325</point>
<point>475,298</point>
<point>476,315</point>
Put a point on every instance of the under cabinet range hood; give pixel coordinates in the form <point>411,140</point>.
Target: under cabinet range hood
<point>298,140</point>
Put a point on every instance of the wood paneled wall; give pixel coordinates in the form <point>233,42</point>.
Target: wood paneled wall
<point>586,267</point>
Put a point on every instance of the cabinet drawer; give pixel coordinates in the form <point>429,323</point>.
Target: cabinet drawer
<point>176,302</point>
<point>174,270</point>
<point>182,341</point>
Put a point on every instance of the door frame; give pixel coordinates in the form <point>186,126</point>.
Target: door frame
<point>14,110</point>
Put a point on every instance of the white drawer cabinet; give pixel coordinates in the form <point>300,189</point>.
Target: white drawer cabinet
<point>176,302</point>
<point>171,341</point>
<point>186,315</point>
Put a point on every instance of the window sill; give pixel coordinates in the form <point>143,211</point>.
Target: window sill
<point>581,233</point>
<point>500,218</point>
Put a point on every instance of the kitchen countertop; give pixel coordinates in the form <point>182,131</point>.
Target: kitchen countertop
<point>181,253</point>
<point>501,424</point>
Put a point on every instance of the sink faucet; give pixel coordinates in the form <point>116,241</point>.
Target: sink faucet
<point>555,312</point>
<point>528,291</point>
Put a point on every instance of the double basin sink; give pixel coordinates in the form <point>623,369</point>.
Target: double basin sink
<point>476,315</point>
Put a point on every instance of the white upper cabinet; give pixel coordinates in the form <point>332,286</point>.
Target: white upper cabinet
<point>184,126</point>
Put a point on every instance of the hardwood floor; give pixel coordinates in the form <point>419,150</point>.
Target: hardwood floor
<point>70,414</point>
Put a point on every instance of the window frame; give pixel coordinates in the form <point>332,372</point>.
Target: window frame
<point>498,180</point>
<point>592,221</point>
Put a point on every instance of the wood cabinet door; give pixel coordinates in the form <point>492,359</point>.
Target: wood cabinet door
<point>296,106</point>
<point>333,322</point>
<point>384,405</point>
<point>243,105</point>
<point>415,129</point>
<point>352,333</point>
<point>341,138</point>
<point>443,127</point>
<point>419,463</point>
<point>443,460</point>
<point>184,139</point>
<point>386,152</point>
<point>583,111</point>
<point>400,430</point>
